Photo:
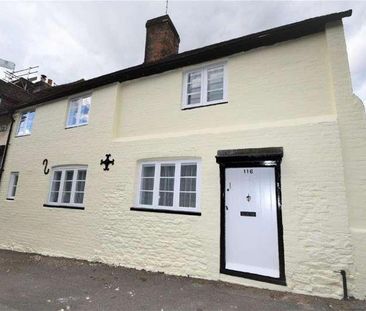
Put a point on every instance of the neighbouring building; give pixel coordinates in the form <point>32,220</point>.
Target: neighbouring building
<point>14,93</point>
<point>242,161</point>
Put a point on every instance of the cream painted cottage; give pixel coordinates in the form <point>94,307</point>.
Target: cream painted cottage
<point>243,161</point>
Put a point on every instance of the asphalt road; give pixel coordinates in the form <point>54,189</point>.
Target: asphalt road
<point>37,283</point>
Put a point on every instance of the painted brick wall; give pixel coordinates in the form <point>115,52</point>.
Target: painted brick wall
<point>352,123</point>
<point>278,96</point>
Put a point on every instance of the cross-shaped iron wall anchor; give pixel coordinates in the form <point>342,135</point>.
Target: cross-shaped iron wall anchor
<point>107,162</point>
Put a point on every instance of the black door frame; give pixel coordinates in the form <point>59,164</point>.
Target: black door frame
<point>262,157</point>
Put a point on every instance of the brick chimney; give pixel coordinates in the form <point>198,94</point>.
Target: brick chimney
<point>162,39</point>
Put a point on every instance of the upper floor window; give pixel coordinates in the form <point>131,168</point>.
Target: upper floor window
<point>26,123</point>
<point>204,86</point>
<point>170,185</point>
<point>13,183</point>
<point>78,113</point>
<point>68,186</point>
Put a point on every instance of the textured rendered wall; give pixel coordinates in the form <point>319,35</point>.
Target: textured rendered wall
<point>352,124</point>
<point>264,85</point>
<point>282,103</point>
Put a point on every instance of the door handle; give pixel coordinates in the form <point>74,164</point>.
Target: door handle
<point>226,207</point>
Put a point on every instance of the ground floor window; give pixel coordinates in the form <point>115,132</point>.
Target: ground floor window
<point>67,186</point>
<point>13,183</point>
<point>171,185</point>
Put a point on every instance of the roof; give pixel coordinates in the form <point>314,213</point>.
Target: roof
<point>12,96</point>
<point>207,53</point>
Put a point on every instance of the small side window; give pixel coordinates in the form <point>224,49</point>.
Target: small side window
<point>13,183</point>
<point>26,123</point>
<point>78,113</point>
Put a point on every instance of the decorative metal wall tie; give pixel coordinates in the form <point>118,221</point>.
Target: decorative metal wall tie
<point>107,162</point>
<point>45,169</point>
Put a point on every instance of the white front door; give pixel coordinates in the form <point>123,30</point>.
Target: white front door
<point>251,233</point>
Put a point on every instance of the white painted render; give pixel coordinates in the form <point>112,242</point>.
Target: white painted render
<point>296,94</point>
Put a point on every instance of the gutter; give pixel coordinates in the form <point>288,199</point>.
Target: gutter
<point>6,146</point>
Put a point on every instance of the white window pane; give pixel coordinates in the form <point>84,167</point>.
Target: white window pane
<point>193,99</point>
<point>148,170</point>
<point>79,197</point>
<point>72,118</point>
<point>166,198</point>
<point>194,77</point>
<point>26,123</point>
<point>54,197</point>
<point>13,182</point>
<point>22,124</point>
<point>146,197</point>
<point>80,186</point>
<point>167,184</point>
<point>188,170</point>
<point>215,73</point>
<point>215,95</point>
<point>194,83</point>
<point>81,175</point>
<point>147,184</point>
<point>57,176</point>
<point>187,199</point>
<point>56,186</point>
<point>66,197</point>
<point>13,191</point>
<point>167,170</point>
<point>188,184</point>
<point>194,88</point>
<point>84,111</point>
<point>16,177</point>
<point>215,85</point>
<point>30,118</point>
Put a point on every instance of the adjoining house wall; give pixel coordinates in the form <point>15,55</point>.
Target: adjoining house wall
<point>285,100</point>
<point>352,124</point>
<point>4,129</point>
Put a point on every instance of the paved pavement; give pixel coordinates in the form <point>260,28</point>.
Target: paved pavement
<point>37,283</point>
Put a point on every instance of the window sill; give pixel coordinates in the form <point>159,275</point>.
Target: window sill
<point>22,135</point>
<point>64,206</point>
<point>187,107</point>
<point>73,126</point>
<point>166,211</point>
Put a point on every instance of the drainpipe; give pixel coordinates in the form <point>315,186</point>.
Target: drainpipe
<point>344,281</point>
<point>7,145</point>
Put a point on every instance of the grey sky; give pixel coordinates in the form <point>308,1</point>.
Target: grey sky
<point>73,40</point>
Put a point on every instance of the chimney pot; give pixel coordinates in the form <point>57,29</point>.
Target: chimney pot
<point>162,39</point>
<point>43,78</point>
<point>49,81</point>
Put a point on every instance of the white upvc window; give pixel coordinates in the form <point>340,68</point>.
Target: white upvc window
<point>13,183</point>
<point>205,86</point>
<point>78,112</point>
<point>68,186</point>
<point>26,123</point>
<point>169,185</point>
